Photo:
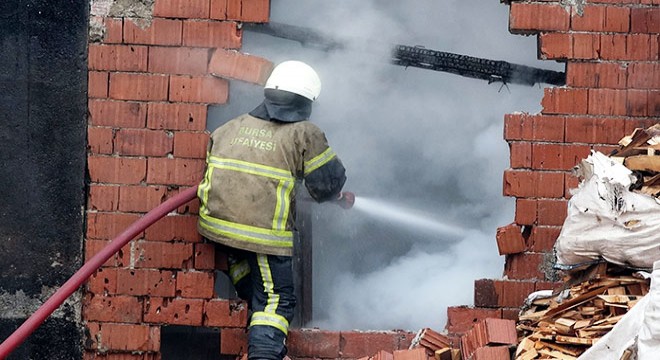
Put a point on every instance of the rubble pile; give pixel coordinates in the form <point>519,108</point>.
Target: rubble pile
<point>565,325</point>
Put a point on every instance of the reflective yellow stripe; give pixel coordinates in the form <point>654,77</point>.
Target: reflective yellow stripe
<point>319,161</point>
<point>238,271</point>
<point>203,191</point>
<point>270,237</point>
<point>267,279</point>
<point>281,215</point>
<point>250,168</point>
<point>268,319</point>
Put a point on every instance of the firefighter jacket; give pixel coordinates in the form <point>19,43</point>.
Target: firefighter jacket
<point>247,194</point>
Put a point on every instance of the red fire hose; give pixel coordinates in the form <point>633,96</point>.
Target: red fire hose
<point>44,311</point>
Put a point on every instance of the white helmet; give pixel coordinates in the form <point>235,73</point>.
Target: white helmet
<point>296,77</point>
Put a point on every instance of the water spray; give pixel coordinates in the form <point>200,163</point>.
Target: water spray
<point>411,217</point>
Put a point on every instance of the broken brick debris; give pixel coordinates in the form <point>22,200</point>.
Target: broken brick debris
<point>564,329</point>
<point>488,333</point>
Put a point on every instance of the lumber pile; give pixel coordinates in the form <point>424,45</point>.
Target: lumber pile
<point>640,152</point>
<point>564,329</point>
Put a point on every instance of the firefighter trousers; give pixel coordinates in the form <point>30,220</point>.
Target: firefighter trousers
<point>266,283</point>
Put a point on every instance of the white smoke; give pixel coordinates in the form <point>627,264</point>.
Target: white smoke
<point>416,138</point>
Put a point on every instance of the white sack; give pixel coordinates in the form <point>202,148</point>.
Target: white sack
<point>607,221</point>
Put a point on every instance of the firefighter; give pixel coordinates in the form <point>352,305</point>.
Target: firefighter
<point>247,197</point>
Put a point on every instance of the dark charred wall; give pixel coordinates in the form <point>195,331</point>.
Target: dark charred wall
<point>43,81</point>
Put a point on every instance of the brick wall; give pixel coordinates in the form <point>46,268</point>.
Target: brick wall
<point>150,81</point>
<point>610,48</point>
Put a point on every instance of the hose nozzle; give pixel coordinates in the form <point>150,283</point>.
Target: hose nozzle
<point>346,199</point>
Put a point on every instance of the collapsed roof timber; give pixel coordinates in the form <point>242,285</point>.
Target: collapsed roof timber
<point>416,56</point>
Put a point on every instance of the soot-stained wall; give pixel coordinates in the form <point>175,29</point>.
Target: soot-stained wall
<point>43,102</point>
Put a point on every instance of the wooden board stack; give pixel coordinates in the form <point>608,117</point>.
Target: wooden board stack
<point>564,330</point>
<point>640,152</point>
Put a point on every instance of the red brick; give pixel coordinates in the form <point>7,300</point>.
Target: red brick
<point>151,254</point>
<point>601,19</point>
<point>130,86</point>
<point>191,9</point>
<point>93,355</point>
<point>510,239</point>
<point>557,156</point>
<point>533,184</point>
<point>103,197</point>
<point>410,354</point>
<point>204,256</point>
<point>174,228</point>
<point>637,102</point>
<point>219,9</point>
<point>178,60</point>
<point>552,211</point>
<point>157,32</point>
<point>140,198</point>
<point>235,65</point>
<point>526,211</point>
<point>117,113</point>
<point>355,344</point>
<point>607,102</point>
<point>143,142</point>
<point>233,341</point>
<point>141,282</point>
<point>596,75</point>
<point>117,57</point>
<point>191,117</point>
<point>256,11</point>
<point>591,19</point>
<point>175,171</point>
<point>521,126</point>
<point>629,47</point>
<point>227,313</point>
<point>461,318</point>
<point>99,140</point>
<point>524,266</point>
<point>123,337</point>
<point>93,247</point>
<point>514,293</point>
<point>221,261</point>
<point>645,20</point>
<point>108,225</point>
<point>510,314</point>
<point>212,34</point>
<point>103,280</point>
<point>97,84</point>
<point>199,89</point>
<point>653,108</point>
<point>555,46</point>
<point>526,18</point>
<point>112,28</point>
<point>116,170</point>
<point>313,343</point>
<point>195,284</point>
<point>585,46</point>
<point>613,47</point>
<point>175,311</point>
<point>190,145</point>
<point>117,309</point>
<point>521,155</point>
<point>189,208</point>
<point>594,130</point>
<point>492,353</point>
<point>643,75</point>
<point>564,101</point>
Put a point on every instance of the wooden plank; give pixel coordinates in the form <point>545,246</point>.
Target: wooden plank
<point>574,340</point>
<point>643,163</point>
